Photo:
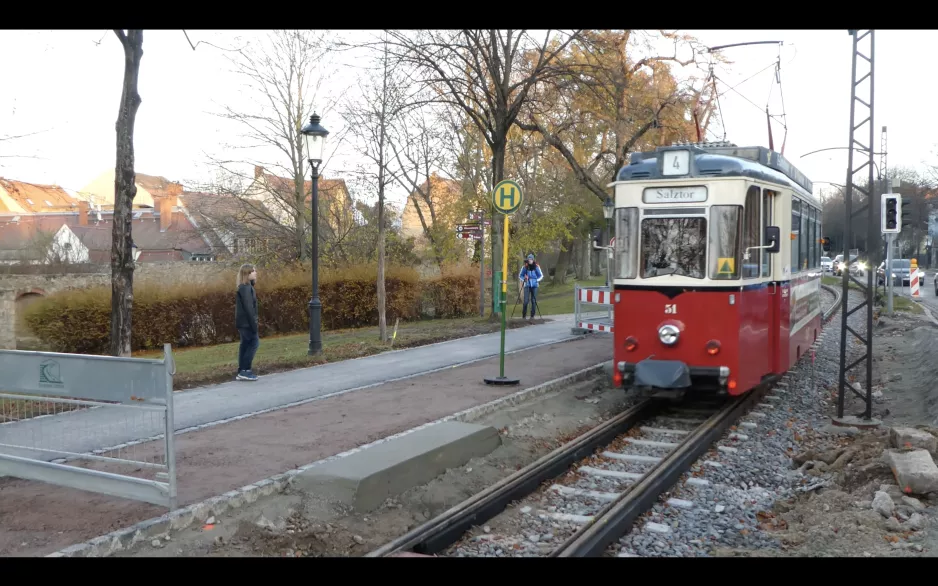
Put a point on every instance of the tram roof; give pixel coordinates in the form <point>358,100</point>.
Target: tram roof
<point>719,159</point>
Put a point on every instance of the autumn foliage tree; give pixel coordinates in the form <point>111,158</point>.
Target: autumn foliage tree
<point>483,73</point>
<point>617,96</point>
<point>613,95</point>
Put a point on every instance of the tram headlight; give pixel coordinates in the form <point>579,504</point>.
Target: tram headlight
<point>668,334</point>
<point>631,343</point>
<point>713,347</point>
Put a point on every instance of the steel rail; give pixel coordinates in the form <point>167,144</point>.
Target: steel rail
<point>615,519</point>
<point>444,530</point>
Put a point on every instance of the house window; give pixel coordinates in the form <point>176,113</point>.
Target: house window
<point>251,245</point>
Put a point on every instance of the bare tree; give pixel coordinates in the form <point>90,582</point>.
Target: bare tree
<point>488,74</point>
<point>281,79</point>
<point>418,148</point>
<point>125,189</point>
<point>383,98</point>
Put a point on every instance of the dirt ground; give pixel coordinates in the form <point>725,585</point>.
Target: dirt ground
<point>837,519</point>
<point>37,519</point>
<point>296,525</point>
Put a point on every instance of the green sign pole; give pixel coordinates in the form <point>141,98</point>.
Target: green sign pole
<point>507,198</point>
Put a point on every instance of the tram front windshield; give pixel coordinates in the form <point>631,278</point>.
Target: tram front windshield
<point>674,246</point>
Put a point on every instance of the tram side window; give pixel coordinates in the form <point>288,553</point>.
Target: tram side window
<point>725,236</point>
<point>795,234</point>
<point>809,219</point>
<point>751,231</point>
<point>814,243</point>
<point>626,243</point>
<point>768,198</point>
<point>803,238</point>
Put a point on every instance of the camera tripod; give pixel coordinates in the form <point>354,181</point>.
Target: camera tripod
<point>534,307</point>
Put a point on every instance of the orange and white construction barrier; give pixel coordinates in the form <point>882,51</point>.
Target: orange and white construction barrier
<point>914,285</point>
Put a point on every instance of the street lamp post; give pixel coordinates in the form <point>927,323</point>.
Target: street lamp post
<point>608,209</point>
<point>315,141</point>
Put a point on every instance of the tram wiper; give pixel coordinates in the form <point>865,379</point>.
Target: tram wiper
<point>665,271</point>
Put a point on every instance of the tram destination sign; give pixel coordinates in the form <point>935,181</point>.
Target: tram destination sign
<point>689,194</point>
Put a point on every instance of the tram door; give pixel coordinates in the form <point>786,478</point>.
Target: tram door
<point>771,269</point>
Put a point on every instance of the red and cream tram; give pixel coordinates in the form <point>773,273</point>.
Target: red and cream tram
<point>717,268</point>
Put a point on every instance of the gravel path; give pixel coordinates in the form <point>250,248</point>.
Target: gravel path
<point>715,504</point>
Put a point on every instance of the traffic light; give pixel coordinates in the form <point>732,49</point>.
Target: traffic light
<point>891,205</point>
<point>826,244</point>
<point>905,213</point>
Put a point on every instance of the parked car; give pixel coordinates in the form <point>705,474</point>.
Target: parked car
<point>901,273</point>
<point>827,265</point>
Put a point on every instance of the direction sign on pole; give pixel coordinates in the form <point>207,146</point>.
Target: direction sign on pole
<point>507,198</point>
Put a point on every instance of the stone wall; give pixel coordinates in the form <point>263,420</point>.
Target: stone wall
<point>14,286</point>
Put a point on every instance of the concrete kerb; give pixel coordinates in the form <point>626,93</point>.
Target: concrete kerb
<point>197,513</point>
<point>929,314</point>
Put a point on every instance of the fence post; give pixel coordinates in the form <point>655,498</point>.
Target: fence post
<point>170,432</point>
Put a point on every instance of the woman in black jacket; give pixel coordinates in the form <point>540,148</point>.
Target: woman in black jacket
<point>246,321</point>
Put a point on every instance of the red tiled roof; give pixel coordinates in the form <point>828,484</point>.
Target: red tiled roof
<point>327,187</point>
<point>36,198</point>
<point>181,235</point>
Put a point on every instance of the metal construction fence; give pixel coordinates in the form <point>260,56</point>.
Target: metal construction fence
<point>97,423</point>
<point>592,309</point>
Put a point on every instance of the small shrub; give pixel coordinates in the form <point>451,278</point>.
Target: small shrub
<point>78,321</point>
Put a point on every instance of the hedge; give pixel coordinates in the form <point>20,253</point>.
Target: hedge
<point>78,321</point>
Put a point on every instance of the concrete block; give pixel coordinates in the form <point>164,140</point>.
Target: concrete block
<point>915,471</point>
<point>909,437</point>
<point>365,479</point>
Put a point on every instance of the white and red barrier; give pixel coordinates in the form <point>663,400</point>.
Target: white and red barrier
<point>914,285</point>
<point>594,326</point>
<point>601,298</point>
<point>597,296</point>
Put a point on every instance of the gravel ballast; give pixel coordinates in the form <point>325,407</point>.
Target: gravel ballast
<point>716,505</point>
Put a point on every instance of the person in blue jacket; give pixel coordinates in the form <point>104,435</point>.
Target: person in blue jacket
<point>530,277</point>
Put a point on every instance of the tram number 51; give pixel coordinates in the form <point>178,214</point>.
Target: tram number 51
<point>670,308</point>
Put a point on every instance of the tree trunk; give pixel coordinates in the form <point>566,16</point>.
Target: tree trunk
<point>382,294</point>
<point>300,217</point>
<point>498,221</point>
<point>382,173</point>
<point>122,261</point>
<point>563,261</point>
<point>583,254</point>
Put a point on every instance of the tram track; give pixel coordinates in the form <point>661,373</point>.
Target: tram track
<point>590,491</point>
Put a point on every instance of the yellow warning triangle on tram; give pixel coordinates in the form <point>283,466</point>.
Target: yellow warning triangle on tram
<point>727,266</point>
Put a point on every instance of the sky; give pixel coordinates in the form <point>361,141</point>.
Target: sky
<point>65,87</point>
